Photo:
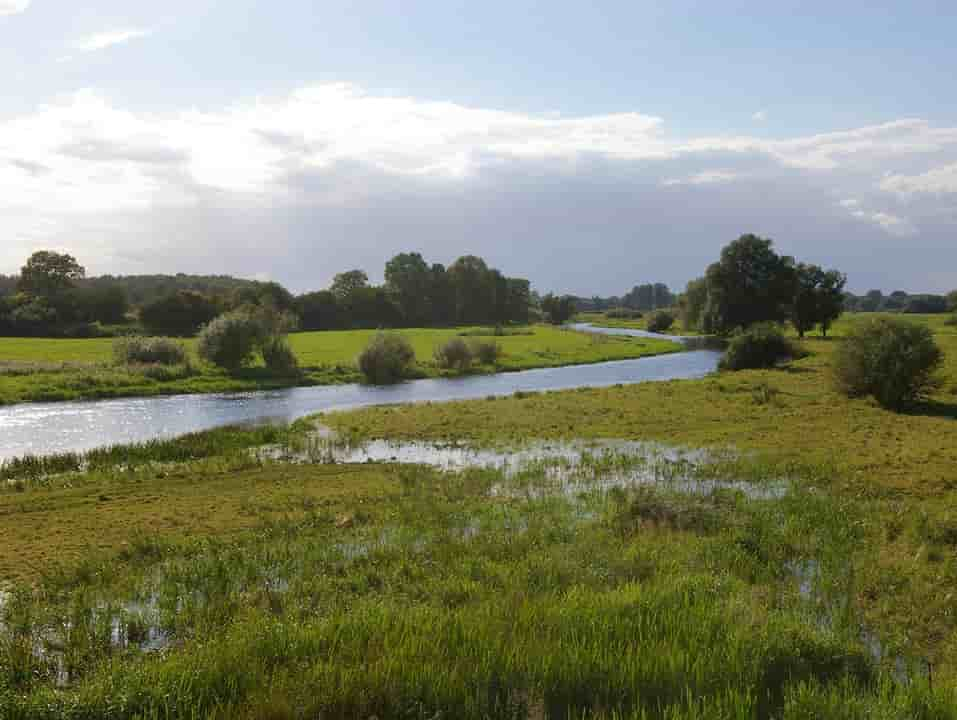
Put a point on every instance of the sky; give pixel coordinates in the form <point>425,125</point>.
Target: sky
<point>587,146</point>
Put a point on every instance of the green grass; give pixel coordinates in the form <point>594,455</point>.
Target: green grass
<point>309,590</point>
<point>282,589</point>
<point>51,370</point>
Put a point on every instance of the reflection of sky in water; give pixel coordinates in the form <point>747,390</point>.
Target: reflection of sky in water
<point>45,428</point>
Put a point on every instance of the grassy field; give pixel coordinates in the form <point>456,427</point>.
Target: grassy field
<point>810,575</point>
<point>41,369</point>
<point>234,586</point>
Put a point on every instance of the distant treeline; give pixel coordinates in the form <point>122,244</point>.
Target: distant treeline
<point>649,296</point>
<point>900,301</point>
<point>53,297</point>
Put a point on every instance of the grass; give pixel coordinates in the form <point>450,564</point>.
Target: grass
<point>52,370</point>
<point>236,587</point>
<point>195,578</point>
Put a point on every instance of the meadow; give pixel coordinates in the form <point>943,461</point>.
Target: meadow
<point>776,552</point>
<point>51,370</point>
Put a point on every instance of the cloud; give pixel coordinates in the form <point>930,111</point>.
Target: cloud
<point>12,7</point>
<point>939,180</point>
<point>760,116</point>
<point>329,177</point>
<point>103,40</point>
<point>706,177</point>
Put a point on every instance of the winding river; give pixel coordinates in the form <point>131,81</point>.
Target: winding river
<point>47,428</point>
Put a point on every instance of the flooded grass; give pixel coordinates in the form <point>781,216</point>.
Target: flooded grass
<point>579,580</point>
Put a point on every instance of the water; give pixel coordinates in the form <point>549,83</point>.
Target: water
<point>48,428</point>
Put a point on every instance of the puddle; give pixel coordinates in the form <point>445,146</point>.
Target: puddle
<point>569,467</point>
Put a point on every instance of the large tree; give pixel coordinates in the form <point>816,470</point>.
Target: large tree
<point>408,279</point>
<point>48,274</point>
<point>473,289</point>
<point>750,283</point>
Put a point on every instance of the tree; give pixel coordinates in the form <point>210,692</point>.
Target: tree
<point>346,284</point>
<point>558,310</point>
<point>47,274</point>
<point>408,279</point>
<point>749,284</point>
<point>818,298</point>
<point>830,299</point>
<point>470,280</point>
<point>182,313</point>
<point>693,302</point>
<point>519,299</point>
<point>952,301</point>
<point>441,295</point>
<point>320,311</point>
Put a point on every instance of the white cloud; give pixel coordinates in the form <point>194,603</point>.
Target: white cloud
<point>12,7</point>
<point>706,177</point>
<point>331,176</point>
<point>760,116</point>
<point>103,40</point>
<point>939,180</point>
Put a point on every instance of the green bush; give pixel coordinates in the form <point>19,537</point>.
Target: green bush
<point>279,356</point>
<point>661,322</point>
<point>230,341</point>
<point>760,346</point>
<point>148,351</point>
<point>893,360</point>
<point>387,359</point>
<point>454,354</point>
<point>486,351</point>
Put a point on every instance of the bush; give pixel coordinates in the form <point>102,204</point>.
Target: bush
<point>148,351</point>
<point>230,341</point>
<point>279,357</point>
<point>453,354</point>
<point>386,359</point>
<point>486,351</point>
<point>893,360</point>
<point>661,322</point>
<point>760,346</point>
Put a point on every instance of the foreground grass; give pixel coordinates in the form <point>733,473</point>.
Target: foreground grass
<point>52,370</point>
<point>901,467</point>
<point>237,587</point>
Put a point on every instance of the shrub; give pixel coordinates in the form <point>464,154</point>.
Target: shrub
<point>149,351</point>
<point>230,340</point>
<point>486,351</point>
<point>760,346</point>
<point>386,359</point>
<point>661,321</point>
<point>453,354</point>
<point>279,356</point>
<point>893,360</point>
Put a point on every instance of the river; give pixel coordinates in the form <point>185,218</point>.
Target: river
<point>48,428</point>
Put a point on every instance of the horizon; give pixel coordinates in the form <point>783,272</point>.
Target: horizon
<point>143,141</point>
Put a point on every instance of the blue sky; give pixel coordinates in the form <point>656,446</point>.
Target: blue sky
<point>296,139</point>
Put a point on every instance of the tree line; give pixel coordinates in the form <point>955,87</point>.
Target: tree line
<point>53,297</point>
